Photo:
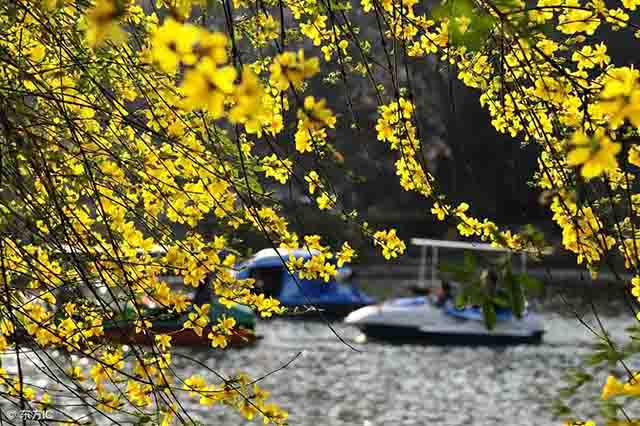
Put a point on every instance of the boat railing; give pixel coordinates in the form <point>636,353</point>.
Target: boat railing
<point>426,243</point>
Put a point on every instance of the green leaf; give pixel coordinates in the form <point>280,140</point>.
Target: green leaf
<point>458,272</point>
<point>470,262</point>
<point>560,409</point>
<point>449,268</point>
<point>606,354</point>
<point>610,409</point>
<point>633,329</point>
<point>531,284</point>
<point>597,358</point>
<point>502,302</point>
<point>144,420</point>
<point>489,314</point>
<point>516,295</point>
<point>475,293</point>
<point>461,301</point>
<point>567,392</point>
<point>581,378</point>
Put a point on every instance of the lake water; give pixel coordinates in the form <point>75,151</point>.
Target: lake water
<point>381,384</point>
<point>331,384</point>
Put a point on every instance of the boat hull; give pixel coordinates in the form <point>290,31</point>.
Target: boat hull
<point>123,331</point>
<point>414,335</point>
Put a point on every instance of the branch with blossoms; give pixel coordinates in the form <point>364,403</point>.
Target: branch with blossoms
<point>127,128</point>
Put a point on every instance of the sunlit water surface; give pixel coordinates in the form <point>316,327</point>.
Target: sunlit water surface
<point>381,384</point>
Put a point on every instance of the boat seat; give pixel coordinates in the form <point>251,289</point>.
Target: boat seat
<point>475,313</point>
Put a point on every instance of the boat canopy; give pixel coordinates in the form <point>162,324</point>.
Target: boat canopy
<point>295,290</point>
<point>269,258</point>
<point>318,292</point>
<point>425,243</point>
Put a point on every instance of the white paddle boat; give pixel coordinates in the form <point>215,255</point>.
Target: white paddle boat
<point>436,320</point>
<point>422,320</point>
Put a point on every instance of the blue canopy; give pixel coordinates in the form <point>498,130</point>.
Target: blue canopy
<point>304,291</point>
<point>269,258</point>
<point>319,292</point>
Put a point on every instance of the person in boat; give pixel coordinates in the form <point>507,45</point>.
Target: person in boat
<point>268,281</point>
<point>489,284</point>
<point>498,295</point>
<point>444,294</point>
<point>489,280</point>
<point>203,293</point>
<point>419,290</point>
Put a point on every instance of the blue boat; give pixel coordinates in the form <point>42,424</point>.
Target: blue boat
<point>334,299</point>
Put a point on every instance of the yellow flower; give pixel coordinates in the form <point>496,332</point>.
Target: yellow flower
<point>295,263</point>
<point>469,226</point>
<point>314,30</point>
<point>199,319</point>
<point>247,410</point>
<point>325,201</point>
<point>619,97</point>
<point>588,57</point>
<point>576,20</point>
<point>313,179</point>
<point>635,287</point>
<point>551,89</point>
<point>180,302</point>
<point>274,167</point>
<point>172,43</point>
<point>168,416</point>
<point>291,69</point>
<point>69,309</point>
<point>459,211</point>
<point>440,211</point>
<point>45,401</point>
<point>75,374</point>
<point>247,98</point>
<point>595,155</point>
<point>312,242</point>
<point>463,23</point>
<point>138,394</point>
<point>612,388</point>
<point>385,131</point>
<point>367,5</point>
<point>109,401</point>
<point>617,17</point>
<point>194,384</point>
<point>308,139</point>
<point>634,155</point>
<point>632,388</point>
<point>102,23</point>
<point>315,114</point>
<point>392,246</point>
<point>207,87</point>
<point>163,341</point>
<point>214,46</point>
<point>218,340</point>
<point>619,82</point>
<point>37,52</point>
<point>226,324</point>
<point>547,46</point>
<point>345,255</point>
